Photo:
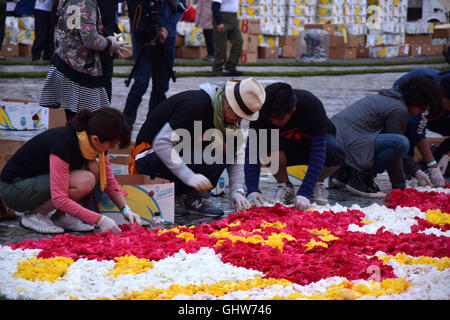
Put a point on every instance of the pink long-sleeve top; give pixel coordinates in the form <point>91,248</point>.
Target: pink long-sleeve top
<point>59,186</point>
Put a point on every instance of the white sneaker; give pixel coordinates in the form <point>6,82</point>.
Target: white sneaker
<point>320,195</point>
<point>285,193</point>
<point>40,223</point>
<point>69,223</point>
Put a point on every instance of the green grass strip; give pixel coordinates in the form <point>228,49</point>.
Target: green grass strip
<point>250,73</point>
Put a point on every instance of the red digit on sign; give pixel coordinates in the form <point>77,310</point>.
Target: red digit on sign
<point>244,26</point>
<point>244,56</point>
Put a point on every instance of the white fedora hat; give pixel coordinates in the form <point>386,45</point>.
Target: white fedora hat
<point>245,97</point>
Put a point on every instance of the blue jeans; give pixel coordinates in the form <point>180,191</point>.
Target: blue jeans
<point>164,56</point>
<point>389,148</point>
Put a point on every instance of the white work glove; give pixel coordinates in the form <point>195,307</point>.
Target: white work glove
<point>199,182</point>
<point>107,224</point>
<point>422,178</point>
<point>443,163</point>
<point>285,193</point>
<point>239,201</point>
<point>116,45</point>
<point>255,199</point>
<point>131,216</point>
<point>302,203</point>
<point>436,177</point>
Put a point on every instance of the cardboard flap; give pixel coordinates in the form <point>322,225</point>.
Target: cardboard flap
<point>7,150</point>
<point>138,179</point>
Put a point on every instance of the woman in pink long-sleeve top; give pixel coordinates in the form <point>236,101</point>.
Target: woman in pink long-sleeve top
<point>59,167</point>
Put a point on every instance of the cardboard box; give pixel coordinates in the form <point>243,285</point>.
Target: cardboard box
<point>179,41</point>
<point>250,26</point>
<point>194,38</point>
<point>287,51</point>
<point>336,41</point>
<point>427,50</point>
<point>415,50</point>
<point>296,173</point>
<point>288,40</point>
<point>118,158</point>
<point>431,141</point>
<point>145,196</point>
<point>18,115</point>
<point>250,42</point>
<point>193,52</point>
<point>8,148</point>
<point>441,33</point>
<point>352,41</point>
<point>340,41</point>
<point>404,50</point>
<point>10,50</point>
<point>25,50</point>
<point>248,57</point>
<point>437,49</point>
<point>324,26</point>
<point>267,52</point>
<point>418,39</point>
<point>56,118</point>
<point>383,52</point>
<point>343,53</point>
<point>362,52</point>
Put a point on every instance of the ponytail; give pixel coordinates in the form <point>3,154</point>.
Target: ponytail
<point>108,124</point>
<point>80,121</point>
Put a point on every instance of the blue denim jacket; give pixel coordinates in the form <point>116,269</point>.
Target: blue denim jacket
<point>167,19</point>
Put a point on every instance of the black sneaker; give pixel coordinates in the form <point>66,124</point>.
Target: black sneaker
<point>363,185</point>
<point>232,72</point>
<point>340,178</point>
<point>200,205</point>
<point>180,209</point>
<point>208,58</point>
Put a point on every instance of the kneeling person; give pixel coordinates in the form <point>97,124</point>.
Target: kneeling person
<point>304,130</point>
<point>58,167</point>
<point>214,108</point>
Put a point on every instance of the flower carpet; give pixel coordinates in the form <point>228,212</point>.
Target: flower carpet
<point>400,250</point>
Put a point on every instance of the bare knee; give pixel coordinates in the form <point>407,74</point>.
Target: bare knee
<point>82,182</point>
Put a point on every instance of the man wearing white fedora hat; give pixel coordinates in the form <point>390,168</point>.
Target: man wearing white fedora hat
<point>185,119</point>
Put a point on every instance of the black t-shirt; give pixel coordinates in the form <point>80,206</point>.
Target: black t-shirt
<point>32,159</point>
<point>309,119</point>
<point>180,111</point>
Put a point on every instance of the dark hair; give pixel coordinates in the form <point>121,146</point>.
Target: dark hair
<point>280,100</point>
<point>445,87</point>
<point>108,124</point>
<point>422,92</point>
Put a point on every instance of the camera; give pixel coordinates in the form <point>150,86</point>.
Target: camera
<point>145,19</point>
<point>145,26</point>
